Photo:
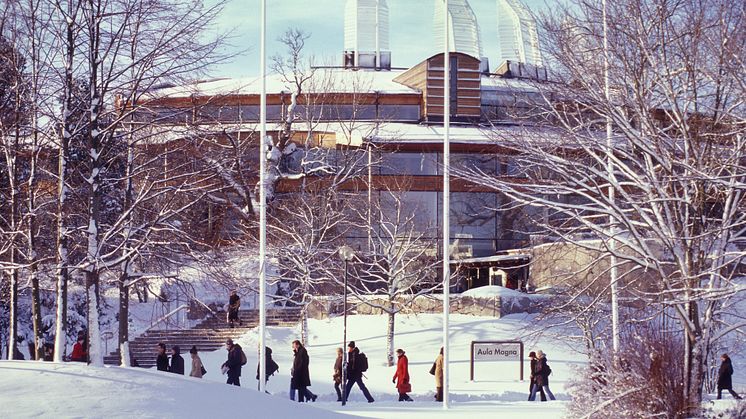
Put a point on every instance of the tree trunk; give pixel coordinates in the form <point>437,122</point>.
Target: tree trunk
<point>390,337</point>
<point>124,291</point>
<point>95,354</point>
<point>60,336</point>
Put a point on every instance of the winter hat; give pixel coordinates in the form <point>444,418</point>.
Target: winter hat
<point>532,354</point>
<point>176,349</point>
<point>351,344</point>
<point>193,350</point>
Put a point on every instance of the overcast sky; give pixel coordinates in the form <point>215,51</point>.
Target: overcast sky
<point>410,38</point>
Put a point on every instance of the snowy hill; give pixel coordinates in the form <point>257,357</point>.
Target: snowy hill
<point>72,390</point>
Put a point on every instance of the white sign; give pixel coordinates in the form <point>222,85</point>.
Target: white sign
<point>497,352</point>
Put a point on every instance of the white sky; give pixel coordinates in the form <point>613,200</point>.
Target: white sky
<point>411,37</point>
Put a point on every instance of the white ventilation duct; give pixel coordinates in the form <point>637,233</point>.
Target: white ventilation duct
<point>517,36</point>
<point>464,35</point>
<point>366,34</point>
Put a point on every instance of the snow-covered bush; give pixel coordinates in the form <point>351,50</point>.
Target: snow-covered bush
<point>645,379</point>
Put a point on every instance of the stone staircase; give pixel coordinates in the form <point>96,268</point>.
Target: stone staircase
<point>208,336</point>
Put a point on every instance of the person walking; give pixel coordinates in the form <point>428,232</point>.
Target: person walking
<point>725,377</point>
<point>177,362</point>
<point>80,349</point>
<point>542,377</point>
<point>357,364</point>
<point>300,376</point>
<point>338,374</point>
<point>233,365</point>
<point>532,381</point>
<point>161,361</point>
<point>437,371</point>
<point>234,304</point>
<point>271,366</point>
<point>401,376</point>
<point>197,367</point>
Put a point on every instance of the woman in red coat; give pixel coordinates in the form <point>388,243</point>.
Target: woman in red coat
<point>80,349</point>
<point>401,377</point>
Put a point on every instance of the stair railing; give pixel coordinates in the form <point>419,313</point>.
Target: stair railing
<point>168,315</point>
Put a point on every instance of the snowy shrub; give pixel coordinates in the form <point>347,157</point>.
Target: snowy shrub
<point>644,380</point>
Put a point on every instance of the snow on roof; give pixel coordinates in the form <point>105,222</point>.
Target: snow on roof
<point>495,258</point>
<point>324,80</point>
<point>420,133</point>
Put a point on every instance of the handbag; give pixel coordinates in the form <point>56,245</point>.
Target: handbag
<point>204,371</point>
<point>432,369</point>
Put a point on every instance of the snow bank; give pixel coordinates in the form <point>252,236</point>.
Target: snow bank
<point>72,390</point>
<point>490,291</point>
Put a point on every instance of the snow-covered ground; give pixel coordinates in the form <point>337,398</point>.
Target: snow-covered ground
<point>42,389</point>
<point>496,391</point>
<point>73,390</point>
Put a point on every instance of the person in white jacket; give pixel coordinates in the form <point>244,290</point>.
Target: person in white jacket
<point>197,367</point>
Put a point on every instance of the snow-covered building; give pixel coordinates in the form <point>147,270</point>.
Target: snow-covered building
<point>396,116</point>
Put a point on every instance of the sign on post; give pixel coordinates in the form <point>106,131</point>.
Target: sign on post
<point>497,350</point>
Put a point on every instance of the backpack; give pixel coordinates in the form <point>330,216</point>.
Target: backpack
<point>243,355</point>
<point>362,362</point>
<point>547,369</point>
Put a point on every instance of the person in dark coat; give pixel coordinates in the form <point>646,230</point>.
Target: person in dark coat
<point>338,374</point>
<point>354,373</point>
<point>234,304</point>
<point>177,362</point>
<point>401,376</point>
<point>271,365</point>
<point>161,361</point>
<point>725,380</point>
<point>541,377</point>
<point>300,376</point>
<point>532,381</point>
<point>234,362</point>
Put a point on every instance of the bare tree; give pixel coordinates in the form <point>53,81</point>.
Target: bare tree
<point>675,163</point>
<point>401,262</point>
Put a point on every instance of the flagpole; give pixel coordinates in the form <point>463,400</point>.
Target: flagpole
<point>262,197</point>
<point>613,274</point>
<point>446,202</point>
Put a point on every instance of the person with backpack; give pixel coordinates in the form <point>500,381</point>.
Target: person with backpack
<point>177,362</point>
<point>300,377</point>
<point>533,369</point>
<point>401,376</point>
<point>236,359</point>
<point>542,377</point>
<point>725,380</point>
<point>271,365</point>
<point>357,364</point>
<point>198,370</point>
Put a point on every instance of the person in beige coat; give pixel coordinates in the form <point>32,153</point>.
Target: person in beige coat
<point>196,363</point>
<point>439,377</point>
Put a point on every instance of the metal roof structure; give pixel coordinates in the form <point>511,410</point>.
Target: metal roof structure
<point>464,35</point>
<point>517,35</point>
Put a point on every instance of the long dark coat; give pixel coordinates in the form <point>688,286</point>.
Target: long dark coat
<point>725,374</point>
<point>162,362</point>
<point>301,376</point>
<point>177,364</point>
<point>540,375</point>
<point>234,361</point>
